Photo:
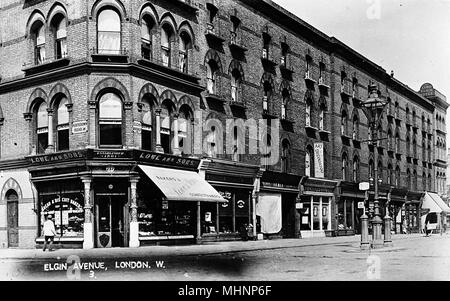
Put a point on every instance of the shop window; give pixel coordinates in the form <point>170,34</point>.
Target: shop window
<point>185,45</point>
<point>166,47</point>
<point>147,26</point>
<point>42,128</point>
<point>38,33</point>
<point>66,208</point>
<point>166,128</point>
<point>60,32</point>
<point>110,120</point>
<point>235,214</point>
<point>109,32</point>
<point>62,127</point>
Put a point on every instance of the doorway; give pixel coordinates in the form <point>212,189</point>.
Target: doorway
<point>112,222</point>
<point>12,201</point>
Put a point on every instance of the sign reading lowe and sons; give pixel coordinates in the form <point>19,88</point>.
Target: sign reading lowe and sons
<point>132,155</point>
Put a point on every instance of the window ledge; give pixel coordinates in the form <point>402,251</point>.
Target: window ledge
<point>31,69</point>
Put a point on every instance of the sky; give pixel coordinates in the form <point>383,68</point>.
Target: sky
<point>410,37</point>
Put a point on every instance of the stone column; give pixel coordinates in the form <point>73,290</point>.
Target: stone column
<point>51,142</point>
<point>92,124</point>
<point>88,220</point>
<point>176,144</point>
<point>129,135</point>
<point>159,148</point>
<point>134,224</point>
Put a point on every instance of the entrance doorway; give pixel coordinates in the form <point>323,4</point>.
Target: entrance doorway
<point>12,201</point>
<point>112,221</point>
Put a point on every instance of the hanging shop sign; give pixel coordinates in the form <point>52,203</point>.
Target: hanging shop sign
<point>319,168</point>
<point>79,127</point>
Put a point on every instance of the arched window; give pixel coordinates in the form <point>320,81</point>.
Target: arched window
<point>147,27</point>
<point>424,181</point>
<point>62,126</point>
<point>390,175</point>
<point>371,169</point>
<point>60,32</point>
<point>408,178</point>
<point>185,45</point>
<point>236,78</point>
<point>42,128</point>
<point>267,152</point>
<point>285,156</point>
<point>430,187</point>
<point>414,180</point>
<point>344,123</point>
<point>166,47</point>
<point>166,127</point>
<point>110,120</point>
<point>147,123</point>
<point>389,141</point>
<point>355,133</point>
<point>185,130</point>
<point>267,95</point>
<point>38,33</point>
<point>109,32</point>
<point>308,112</point>
<point>397,176</point>
<point>322,118</point>
<point>344,167</point>
<point>355,171</point>
<point>212,143</point>
<point>286,96</point>
<point>408,146</point>
<point>380,171</point>
<point>309,164</point>
<point>235,155</point>
<point>211,73</point>
<point>397,143</point>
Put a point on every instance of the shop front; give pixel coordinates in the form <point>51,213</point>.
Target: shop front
<point>350,203</point>
<point>413,212</point>
<point>229,220</point>
<point>315,207</point>
<point>276,211</point>
<point>120,198</point>
<point>396,199</point>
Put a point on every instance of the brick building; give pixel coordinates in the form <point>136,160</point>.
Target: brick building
<point>108,105</point>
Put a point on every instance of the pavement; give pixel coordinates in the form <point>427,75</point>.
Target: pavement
<point>412,257</point>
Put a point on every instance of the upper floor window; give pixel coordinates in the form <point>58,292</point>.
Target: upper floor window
<point>397,176</point>
<point>267,94</point>
<point>38,32</point>
<point>110,120</point>
<point>166,127</point>
<point>185,45</point>
<point>355,169</point>
<point>266,45</point>
<point>60,32</point>
<point>355,133</point>
<point>390,175</point>
<point>109,32</point>
<point>309,170</point>
<point>147,26</point>
<point>286,96</point>
<point>166,47</point>
<point>147,124</point>
<point>344,167</point>
<point>235,145</point>
<point>236,79</point>
<point>211,74</point>
<point>185,130</point>
<point>62,127</point>
<point>42,128</point>
<point>308,112</point>
<point>344,123</point>
<point>284,53</point>
<point>212,143</point>
<point>322,118</point>
<point>285,156</point>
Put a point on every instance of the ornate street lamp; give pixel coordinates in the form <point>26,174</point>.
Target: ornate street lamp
<point>373,108</point>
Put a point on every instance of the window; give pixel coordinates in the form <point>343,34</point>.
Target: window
<point>42,128</point>
<point>166,49</point>
<point>147,26</point>
<point>371,169</point>
<point>235,145</point>
<point>286,97</point>
<point>355,169</point>
<point>38,32</point>
<point>322,71</point>
<point>235,85</point>
<point>61,37</point>
<point>344,167</point>
<point>397,176</point>
<point>166,129</point>
<point>267,95</point>
<point>285,156</point>
<point>184,130</point>
<point>408,179</point>
<point>212,143</point>
<point>424,181</point>
<point>355,133</point>
<point>397,142</point>
<point>109,32</point>
<point>309,170</point>
<point>322,118</point>
<point>185,45</point>
<point>211,74</point>
<point>110,120</point>
<point>308,113</point>
<point>284,52</point>
<point>147,125</point>
<point>344,123</point>
<point>268,151</point>
<point>266,45</point>
<point>380,171</point>
<point>62,127</point>
<point>390,175</point>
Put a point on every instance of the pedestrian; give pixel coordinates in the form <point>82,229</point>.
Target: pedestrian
<point>49,232</point>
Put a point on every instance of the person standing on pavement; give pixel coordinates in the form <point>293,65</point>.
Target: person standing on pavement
<point>49,232</point>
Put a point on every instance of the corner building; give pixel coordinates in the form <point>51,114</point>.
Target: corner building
<point>114,119</point>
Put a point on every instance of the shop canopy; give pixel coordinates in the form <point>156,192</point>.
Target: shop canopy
<point>182,185</point>
<point>434,203</point>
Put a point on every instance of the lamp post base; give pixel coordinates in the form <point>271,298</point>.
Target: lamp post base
<point>377,225</point>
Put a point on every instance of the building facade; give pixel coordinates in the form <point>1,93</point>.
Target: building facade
<point>107,106</point>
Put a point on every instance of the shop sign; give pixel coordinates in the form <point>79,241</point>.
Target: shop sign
<point>364,186</point>
<point>361,205</point>
<point>227,196</point>
<point>167,160</point>
<point>111,155</point>
<point>299,206</point>
<point>74,203</point>
<point>319,168</point>
<point>58,157</point>
<point>79,127</point>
